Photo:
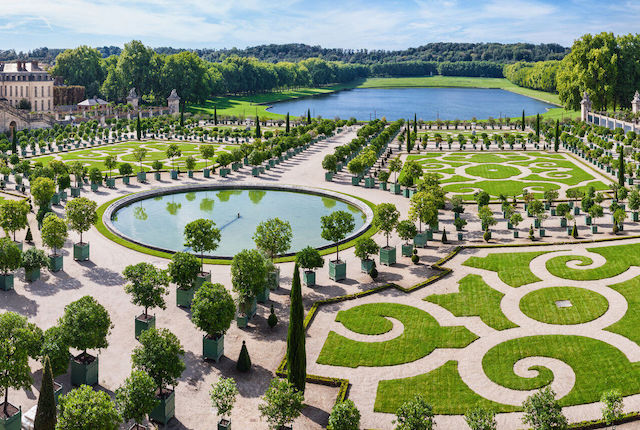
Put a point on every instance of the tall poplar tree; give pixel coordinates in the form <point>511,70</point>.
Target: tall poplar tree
<point>138,128</point>
<point>287,129</point>
<point>215,115</point>
<point>538,126</point>
<point>522,119</point>
<point>308,116</point>
<point>46,412</point>
<point>296,353</point>
<point>258,131</point>
<point>621,167</point>
<point>415,124</point>
<point>408,136</point>
<point>556,144</point>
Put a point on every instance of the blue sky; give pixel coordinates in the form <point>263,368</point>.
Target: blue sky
<point>394,24</point>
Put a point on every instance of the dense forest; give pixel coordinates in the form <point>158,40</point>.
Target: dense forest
<point>539,76</point>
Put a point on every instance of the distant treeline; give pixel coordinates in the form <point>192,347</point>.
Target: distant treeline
<point>539,76</point>
<point>487,69</point>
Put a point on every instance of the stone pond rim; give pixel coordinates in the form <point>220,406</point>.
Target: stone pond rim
<point>127,200</point>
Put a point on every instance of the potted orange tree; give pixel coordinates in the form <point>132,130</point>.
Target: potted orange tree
<point>212,311</point>
<point>147,286</point>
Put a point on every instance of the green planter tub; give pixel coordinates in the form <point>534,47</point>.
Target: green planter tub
<point>337,270</point>
<point>355,180</point>
<point>407,250</point>
<point>56,262</point>
<point>388,255</point>
<point>55,199</point>
<point>309,278</point>
<point>328,176</point>
<point>383,186</point>
<point>95,186</point>
<point>242,321</point>
<point>594,229</point>
<point>75,191</point>
<point>213,347</point>
<point>366,265</point>
<point>32,275</point>
<point>206,173</point>
<point>81,251</point>
<point>369,182</point>
<point>166,407</point>
<point>126,180</point>
<point>224,424</point>
<point>174,174</point>
<point>201,278</point>
<point>156,176</point>
<point>111,182</point>
<point>420,241</point>
<point>6,282</point>
<point>143,323</point>
<point>14,422</point>
<point>273,279</point>
<point>563,222</point>
<point>263,296</point>
<point>142,176</point>
<point>84,370</point>
<point>184,297</point>
<point>396,188</point>
<point>57,391</point>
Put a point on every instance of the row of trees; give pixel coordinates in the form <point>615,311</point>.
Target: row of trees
<point>538,76</point>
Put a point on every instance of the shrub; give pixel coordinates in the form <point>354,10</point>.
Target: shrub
<point>223,395</point>
<point>309,258</point>
<point>415,414</point>
<point>272,321</point>
<point>486,236</point>
<point>137,397</point>
<point>444,235</point>
<point>542,411</point>
<point>282,403</point>
<point>75,405</point>
<point>365,247</point>
<point>244,361</point>
<point>344,416</point>
<point>213,309</point>
<point>33,259</point>
<point>415,259</point>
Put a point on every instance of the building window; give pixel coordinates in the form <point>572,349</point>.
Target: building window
<point>48,91</point>
<point>35,92</point>
<point>49,104</point>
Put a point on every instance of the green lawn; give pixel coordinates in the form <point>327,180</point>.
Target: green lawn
<point>586,305</point>
<point>619,259</point>
<point>628,325</point>
<point>442,388</point>
<point>512,268</point>
<point>475,298</point>
<point>492,171</point>
<point>597,365</point>
<point>422,334</point>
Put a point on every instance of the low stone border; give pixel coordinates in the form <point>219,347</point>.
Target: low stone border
<point>143,195</point>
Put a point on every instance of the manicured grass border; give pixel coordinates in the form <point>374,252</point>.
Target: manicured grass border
<point>216,261</point>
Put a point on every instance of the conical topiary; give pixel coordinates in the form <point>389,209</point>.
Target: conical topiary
<point>531,234</point>
<point>574,231</point>
<point>444,235</point>
<point>29,236</point>
<point>273,319</point>
<point>296,348</point>
<point>244,361</point>
<point>46,413</point>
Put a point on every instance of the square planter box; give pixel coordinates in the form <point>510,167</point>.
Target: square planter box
<point>84,370</point>
<point>261,169</point>
<point>166,408</point>
<point>406,192</point>
<point>541,231</point>
<point>14,422</point>
<point>142,324</point>
<point>55,199</point>
<point>429,234</point>
<point>634,216</point>
<point>396,188</point>
<point>6,282</point>
<point>81,251</point>
<point>553,212</point>
<point>235,166</point>
<point>201,278</point>
<point>224,172</point>
<point>57,391</point>
<point>369,182</point>
<point>594,229</point>
<point>212,348</point>
<point>75,191</point>
<point>190,173</point>
<point>174,174</point>
<point>536,223</point>
<point>111,183</point>
<point>224,424</point>
<point>516,234</point>
<point>355,180</point>
<point>576,211</point>
<point>388,255</point>
<point>32,275</point>
<point>309,278</point>
<point>206,173</point>
<point>253,307</point>
<point>94,186</point>
<point>246,161</point>
<point>569,231</point>
<point>563,222</point>
<point>273,279</point>
<point>407,250</point>
<point>509,225</point>
<point>366,265</point>
<point>328,176</point>
<point>156,176</point>
<point>126,180</point>
<point>263,296</point>
<point>56,262</point>
<point>420,240</point>
<point>383,186</point>
<point>142,176</point>
<point>255,171</point>
<point>184,297</point>
<point>337,270</point>
<point>242,321</point>
<point>587,220</point>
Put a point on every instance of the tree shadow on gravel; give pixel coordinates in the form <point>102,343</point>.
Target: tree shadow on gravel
<point>197,368</point>
<point>103,276</point>
<point>12,301</point>
<point>316,415</point>
<point>51,283</point>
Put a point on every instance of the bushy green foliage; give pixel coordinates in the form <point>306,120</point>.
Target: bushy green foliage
<point>282,403</point>
<point>248,275</point>
<point>55,346</point>
<point>414,414</point>
<point>273,236</point>
<point>83,408</point>
<point>336,226</point>
<point>386,218</point>
<point>365,247</point>
<point>223,395</point>
<point>481,419</point>
<point>296,348</point>
<point>212,309</point>
<point>86,324</point>
<point>244,361</point>
<point>136,397</point>
<point>54,232</point>
<point>543,412</point>
<point>13,215</point>
<point>33,259</point>
<point>202,236</point>
<point>10,255</point>
<point>46,412</point>
<point>272,321</point>
<point>81,214</point>
<point>183,269</point>
<point>344,416</point>
<point>309,258</point>
<point>147,285</point>
<point>160,355</point>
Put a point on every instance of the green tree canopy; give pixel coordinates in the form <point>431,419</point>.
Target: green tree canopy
<point>282,403</point>
<point>248,274</point>
<point>213,309</point>
<point>147,285</point>
<point>136,398</point>
<point>273,236</point>
<point>54,232</point>
<point>86,323</point>
<point>202,236</point>
<point>184,269</point>
<point>83,408</point>
<point>81,66</point>
<point>336,226</point>
<point>160,355</point>
<point>13,215</point>
<point>81,214</point>
<point>386,218</point>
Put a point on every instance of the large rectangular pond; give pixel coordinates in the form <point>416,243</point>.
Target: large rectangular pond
<point>428,103</point>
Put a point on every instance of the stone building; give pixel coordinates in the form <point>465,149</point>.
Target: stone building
<point>25,80</point>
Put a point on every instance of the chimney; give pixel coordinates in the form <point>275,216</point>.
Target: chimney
<point>34,65</point>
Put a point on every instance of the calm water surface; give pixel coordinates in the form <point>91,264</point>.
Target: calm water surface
<point>427,103</point>
<point>160,221</point>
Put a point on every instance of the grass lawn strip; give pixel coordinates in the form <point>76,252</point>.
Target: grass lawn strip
<point>422,334</point>
<point>475,298</point>
<point>586,305</point>
<point>619,259</point>
<point>628,325</point>
<point>587,357</point>
<point>442,388</point>
<point>512,268</point>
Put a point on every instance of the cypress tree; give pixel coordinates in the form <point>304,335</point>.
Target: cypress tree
<point>14,140</point>
<point>138,128</point>
<point>46,413</point>
<point>621,168</point>
<point>408,136</point>
<point>287,129</point>
<point>308,116</point>
<point>182,115</point>
<point>574,231</point>
<point>244,361</point>
<point>215,115</point>
<point>556,145</point>
<point>415,124</point>
<point>522,119</point>
<point>258,132</point>
<point>538,126</point>
<point>296,354</point>
<point>29,237</point>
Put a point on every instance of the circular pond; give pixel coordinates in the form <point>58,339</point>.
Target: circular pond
<point>156,218</point>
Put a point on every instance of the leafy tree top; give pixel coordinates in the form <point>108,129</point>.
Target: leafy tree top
<point>34,258</point>
<point>273,236</point>
<point>86,324</point>
<point>84,408</point>
<point>282,403</point>
<point>386,218</point>
<point>147,285</point>
<point>136,398</point>
<point>160,355</point>
<point>202,236</point>
<point>330,163</point>
<point>542,411</point>
<point>213,309</point>
<point>13,215</point>
<point>42,190</point>
<point>248,274</point>
<point>336,226</point>
<point>55,345</point>
<point>10,255</point>
<point>183,269</point>
<point>365,247</point>
<point>223,395</point>
<point>81,214</point>
<point>406,230</point>
<point>309,258</point>
<point>54,232</point>
<point>415,414</point>
<point>344,416</point>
